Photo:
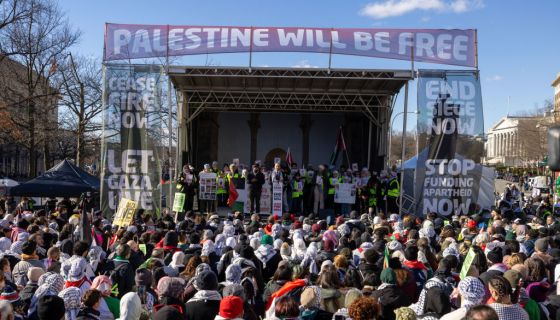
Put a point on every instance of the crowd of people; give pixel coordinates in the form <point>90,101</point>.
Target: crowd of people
<point>369,264</point>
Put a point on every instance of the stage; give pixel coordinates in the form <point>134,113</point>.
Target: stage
<point>257,113</point>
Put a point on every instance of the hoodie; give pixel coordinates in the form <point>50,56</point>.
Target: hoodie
<point>131,307</point>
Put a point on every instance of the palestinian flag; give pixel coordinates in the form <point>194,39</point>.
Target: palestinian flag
<point>340,145</point>
<point>233,195</point>
<point>289,158</point>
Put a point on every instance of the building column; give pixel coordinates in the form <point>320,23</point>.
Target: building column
<point>305,126</point>
<point>499,146</point>
<point>254,126</point>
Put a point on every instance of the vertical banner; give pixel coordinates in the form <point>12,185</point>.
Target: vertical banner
<point>451,131</point>
<point>277,198</point>
<point>132,135</point>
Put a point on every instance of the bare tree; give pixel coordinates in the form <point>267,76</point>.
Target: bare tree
<point>11,11</point>
<point>81,100</point>
<point>37,41</point>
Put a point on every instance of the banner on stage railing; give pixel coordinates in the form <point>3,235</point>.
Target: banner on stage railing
<point>451,131</point>
<point>266,200</point>
<point>444,46</point>
<point>208,186</point>
<point>132,135</point>
<point>345,193</point>
<point>277,191</point>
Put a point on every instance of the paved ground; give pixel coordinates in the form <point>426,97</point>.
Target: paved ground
<point>500,185</point>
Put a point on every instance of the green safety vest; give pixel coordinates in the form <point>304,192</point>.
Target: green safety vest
<point>394,189</point>
<point>221,190</point>
<point>332,183</point>
<point>372,197</point>
<point>296,193</point>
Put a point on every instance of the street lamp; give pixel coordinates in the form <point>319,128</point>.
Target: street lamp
<point>417,112</point>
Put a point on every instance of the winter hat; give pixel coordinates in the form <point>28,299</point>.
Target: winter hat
<point>168,313</point>
<point>316,228</point>
<point>171,287</point>
<point>537,291</point>
<point>285,249</point>
<point>277,244</point>
<point>143,277</point>
<point>388,276</point>
<point>50,307</point>
<point>472,290</point>
<point>34,273</point>
<point>266,239</point>
<point>9,294</point>
<point>206,280</point>
<point>495,255</point>
<point>231,307</point>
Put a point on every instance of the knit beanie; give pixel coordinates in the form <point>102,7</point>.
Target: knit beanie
<point>495,255</point>
<point>143,277</point>
<point>231,307</point>
<point>405,313</point>
<point>206,280</point>
<point>266,239</point>
<point>388,276</point>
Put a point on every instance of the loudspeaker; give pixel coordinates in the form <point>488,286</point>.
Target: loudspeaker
<point>554,148</point>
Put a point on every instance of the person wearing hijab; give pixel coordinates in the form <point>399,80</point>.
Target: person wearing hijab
<point>208,250</point>
<point>472,292</point>
<point>178,262</point>
<point>311,305</point>
<point>389,295</point>
<point>233,275</point>
<point>50,284</point>
<point>268,256</point>
<point>109,306</point>
<point>130,307</point>
<point>438,288</point>
<point>299,250</point>
<point>32,285</point>
<point>77,276</point>
<point>71,297</point>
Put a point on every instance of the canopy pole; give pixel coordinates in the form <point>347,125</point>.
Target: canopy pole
<point>403,149</point>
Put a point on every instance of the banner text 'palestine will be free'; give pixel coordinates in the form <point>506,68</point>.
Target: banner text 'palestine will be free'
<point>130,41</point>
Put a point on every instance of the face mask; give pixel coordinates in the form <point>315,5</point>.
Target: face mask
<point>103,287</point>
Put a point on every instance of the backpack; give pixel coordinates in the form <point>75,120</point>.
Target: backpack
<point>117,275</point>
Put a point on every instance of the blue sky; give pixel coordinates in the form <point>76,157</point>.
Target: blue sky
<point>518,44</point>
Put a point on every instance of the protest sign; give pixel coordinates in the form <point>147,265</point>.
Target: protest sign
<point>208,185</point>
<point>345,193</point>
<point>125,213</point>
<point>179,202</point>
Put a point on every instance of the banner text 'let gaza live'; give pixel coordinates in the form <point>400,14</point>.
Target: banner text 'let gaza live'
<point>129,41</point>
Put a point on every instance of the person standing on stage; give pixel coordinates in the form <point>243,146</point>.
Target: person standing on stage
<point>186,183</point>
<point>255,181</point>
<point>319,190</point>
<point>297,194</point>
<point>222,191</point>
<point>393,192</point>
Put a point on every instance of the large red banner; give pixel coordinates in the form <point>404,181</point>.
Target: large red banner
<point>453,47</point>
